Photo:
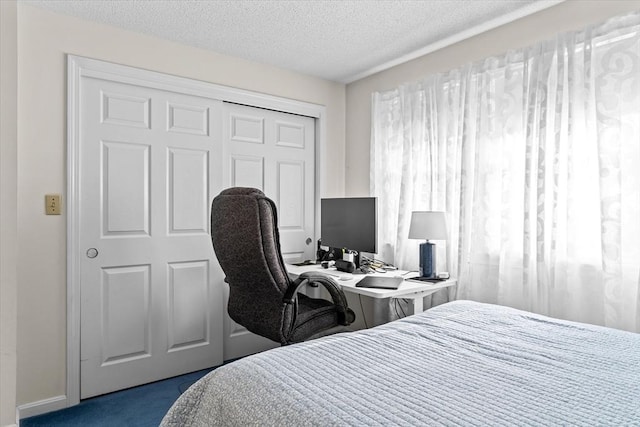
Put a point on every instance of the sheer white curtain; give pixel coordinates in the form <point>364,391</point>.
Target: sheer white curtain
<point>535,157</point>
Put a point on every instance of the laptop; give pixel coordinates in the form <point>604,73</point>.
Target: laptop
<point>381,282</point>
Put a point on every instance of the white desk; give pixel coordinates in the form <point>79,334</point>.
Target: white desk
<point>408,289</point>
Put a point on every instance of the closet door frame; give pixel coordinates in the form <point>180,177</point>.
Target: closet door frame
<point>79,67</point>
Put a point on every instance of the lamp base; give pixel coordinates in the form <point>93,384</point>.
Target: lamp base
<point>428,260</point>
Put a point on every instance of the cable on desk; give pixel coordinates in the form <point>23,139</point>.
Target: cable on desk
<point>375,264</point>
<point>395,308</point>
<point>364,318</point>
<point>397,305</point>
<point>406,301</point>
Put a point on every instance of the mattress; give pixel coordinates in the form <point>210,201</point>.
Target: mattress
<point>458,364</point>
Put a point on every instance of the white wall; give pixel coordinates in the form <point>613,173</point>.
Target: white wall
<point>43,40</point>
<point>8,211</point>
<point>570,15</point>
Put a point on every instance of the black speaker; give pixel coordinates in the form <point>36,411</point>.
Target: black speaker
<point>345,266</point>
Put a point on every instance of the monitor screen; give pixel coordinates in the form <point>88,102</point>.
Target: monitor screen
<point>349,223</point>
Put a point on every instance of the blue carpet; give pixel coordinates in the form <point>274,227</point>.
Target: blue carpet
<point>142,406</point>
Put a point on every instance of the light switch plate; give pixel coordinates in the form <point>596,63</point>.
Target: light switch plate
<point>52,204</point>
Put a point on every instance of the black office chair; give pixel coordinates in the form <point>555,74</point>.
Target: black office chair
<point>262,297</point>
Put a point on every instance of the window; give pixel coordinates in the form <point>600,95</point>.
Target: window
<point>535,156</point>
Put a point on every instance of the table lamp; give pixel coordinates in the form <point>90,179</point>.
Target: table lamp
<point>428,225</point>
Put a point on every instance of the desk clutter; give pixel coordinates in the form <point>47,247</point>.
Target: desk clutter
<point>350,261</point>
<point>355,263</point>
<point>367,266</point>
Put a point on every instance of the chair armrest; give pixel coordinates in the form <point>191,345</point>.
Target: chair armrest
<point>347,316</point>
<point>294,277</point>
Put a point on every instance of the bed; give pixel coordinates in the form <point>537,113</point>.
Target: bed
<point>458,364</point>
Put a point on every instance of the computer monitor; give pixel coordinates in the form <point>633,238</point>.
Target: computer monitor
<point>349,223</point>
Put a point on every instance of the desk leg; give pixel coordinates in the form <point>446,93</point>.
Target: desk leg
<point>418,305</point>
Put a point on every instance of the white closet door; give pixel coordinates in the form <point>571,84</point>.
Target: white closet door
<point>274,152</point>
<point>152,294</point>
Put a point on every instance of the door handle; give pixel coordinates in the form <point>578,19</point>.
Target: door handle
<point>308,241</point>
<point>92,253</point>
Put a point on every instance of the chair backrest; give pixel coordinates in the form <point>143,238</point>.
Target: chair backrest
<point>245,237</point>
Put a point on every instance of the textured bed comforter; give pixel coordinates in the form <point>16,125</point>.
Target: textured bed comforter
<point>459,364</point>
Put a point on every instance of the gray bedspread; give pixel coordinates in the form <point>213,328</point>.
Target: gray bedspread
<point>458,364</point>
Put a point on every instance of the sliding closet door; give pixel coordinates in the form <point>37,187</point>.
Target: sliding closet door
<point>274,152</point>
<point>147,154</point>
<point>151,287</point>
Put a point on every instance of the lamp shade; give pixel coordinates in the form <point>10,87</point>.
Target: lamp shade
<point>428,225</point>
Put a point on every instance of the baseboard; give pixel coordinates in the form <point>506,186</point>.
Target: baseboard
<point>42,406</point>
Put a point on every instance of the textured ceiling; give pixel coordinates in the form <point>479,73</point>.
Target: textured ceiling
<point>336,40</point>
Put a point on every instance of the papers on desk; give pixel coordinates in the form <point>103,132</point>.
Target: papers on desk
<point>380,282</point>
